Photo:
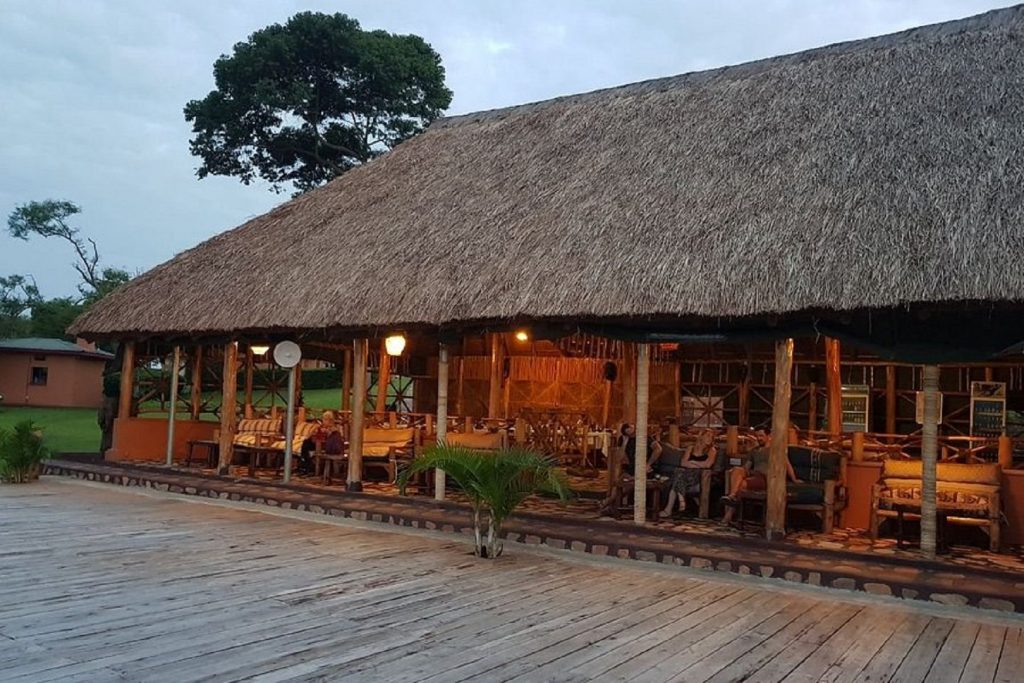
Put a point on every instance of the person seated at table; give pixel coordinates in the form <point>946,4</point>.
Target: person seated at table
<point>625,466</point>
<point>753,475</point>
<point>628,442</point>
<point>685,477</point>
<point>330,434</point>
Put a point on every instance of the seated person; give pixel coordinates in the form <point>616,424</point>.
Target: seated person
<point>687,474</point>
<point>752,476</point>
<point>625,467</point>
<point>330,434</point>
<point>628,443</point>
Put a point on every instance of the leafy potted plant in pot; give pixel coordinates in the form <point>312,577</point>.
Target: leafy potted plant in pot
<point>21,453</point>
<point>496,483</point>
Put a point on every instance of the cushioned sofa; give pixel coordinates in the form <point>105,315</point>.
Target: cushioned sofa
<point>967,494</point>
<point>822,487</point>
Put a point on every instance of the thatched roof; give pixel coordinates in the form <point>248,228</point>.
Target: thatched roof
<point>867,174</point>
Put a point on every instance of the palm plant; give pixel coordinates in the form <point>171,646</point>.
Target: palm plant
<point>496,484</point>
<point>21,452</point>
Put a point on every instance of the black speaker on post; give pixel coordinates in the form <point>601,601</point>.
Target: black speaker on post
<point>611,371</point>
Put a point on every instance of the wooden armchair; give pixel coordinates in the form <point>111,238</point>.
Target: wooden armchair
<point>385,448</point>
<point>822,489</point>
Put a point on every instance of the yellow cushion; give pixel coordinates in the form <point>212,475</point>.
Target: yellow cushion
<point>483,442</point>
<point>306,429</point>
<point>248,439</point>
<point>387,437</point>
<point>976,473</point>
<point>260,426</point>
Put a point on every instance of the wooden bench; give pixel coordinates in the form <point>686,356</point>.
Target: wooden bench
<point>383,448</point>
<point>966,494</point>
<point>821,490</point>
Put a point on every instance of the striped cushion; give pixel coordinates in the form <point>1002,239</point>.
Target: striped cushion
<point>261,426</point>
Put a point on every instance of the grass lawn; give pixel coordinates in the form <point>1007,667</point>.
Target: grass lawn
<point>74,430</point>
<point>317,399</point>
<point>65,430</point>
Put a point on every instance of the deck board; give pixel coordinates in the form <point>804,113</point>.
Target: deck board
<point>101,584</point>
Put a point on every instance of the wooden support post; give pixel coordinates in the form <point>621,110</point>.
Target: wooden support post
<point>988,374</point>
<point>673,435</point>
<point>643,373</point>
<point>629,384</point>
<point>346,380</point>
<point>677,392</point>
<point>606,404</point>
<point>812,406</point>
<point>506,393</point>
<point>890,399</point>
<point>172,411</point>
<point>460,408</point>
<point>834,384</point>
<point>1005,452</point>
<point>360,349</point>
<point>494,395</point>
<point>228,407</point>
<point>442,414</point>
<point>732,441</point>
<point>249,361</point>
<point>775,515</point>
<point>125,398</point>
<point>929,458</point>
<point>297,392</point>
<point>857,447</point>
<point>383,379</point>
<point>743,398</point>
<point>196,407</point>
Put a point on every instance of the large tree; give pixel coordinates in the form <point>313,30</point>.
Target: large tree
<point>303,102</point>
<point>19,294</point>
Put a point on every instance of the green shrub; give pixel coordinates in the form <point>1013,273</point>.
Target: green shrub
<point>21,452</point>
<point>496,483</point>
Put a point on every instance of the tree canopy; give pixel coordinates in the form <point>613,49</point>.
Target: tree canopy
<point>23,311</point>
<point>303,102</point>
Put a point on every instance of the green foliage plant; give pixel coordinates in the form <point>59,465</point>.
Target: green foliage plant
<point>21,452</point>
<point>495,482</point>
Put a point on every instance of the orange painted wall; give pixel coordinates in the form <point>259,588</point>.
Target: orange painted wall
<point>860,476</point>
<point>142,438</point>
<point>70,383</point>
<point>1013,507</point>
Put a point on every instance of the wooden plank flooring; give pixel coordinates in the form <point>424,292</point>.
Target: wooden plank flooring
<point>107,584</point>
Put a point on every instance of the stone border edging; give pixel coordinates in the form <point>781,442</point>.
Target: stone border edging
<point>1002,591</point>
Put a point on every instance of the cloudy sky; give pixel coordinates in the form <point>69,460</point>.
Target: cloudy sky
<point>91,91</point>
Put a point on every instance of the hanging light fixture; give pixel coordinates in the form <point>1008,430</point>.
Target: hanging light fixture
<point>522,335</point>
<point>258,349</point>
<point>394,344</point>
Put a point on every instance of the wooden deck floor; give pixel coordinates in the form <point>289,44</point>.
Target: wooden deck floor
<point>101,583</point>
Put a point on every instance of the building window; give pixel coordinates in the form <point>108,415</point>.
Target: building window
<point>39,377</point>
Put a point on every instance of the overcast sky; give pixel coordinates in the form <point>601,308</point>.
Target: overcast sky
<point>91,91</point>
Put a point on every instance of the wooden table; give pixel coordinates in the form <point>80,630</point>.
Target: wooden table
<point>325,464</point>
<point>265,452</point>
<point>212,451</point>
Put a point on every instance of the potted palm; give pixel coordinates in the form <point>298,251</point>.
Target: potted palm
<point>21,453</point>
<point>495,482</point>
